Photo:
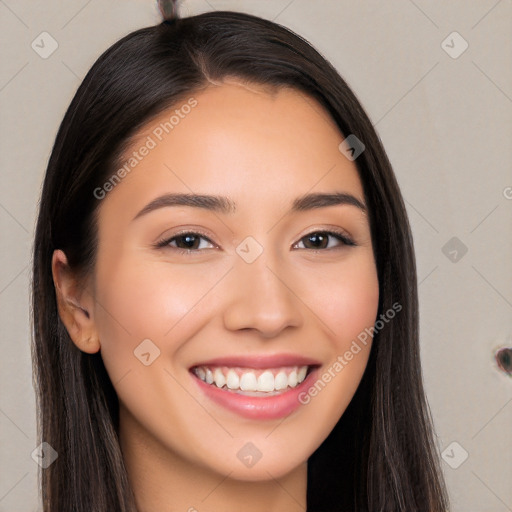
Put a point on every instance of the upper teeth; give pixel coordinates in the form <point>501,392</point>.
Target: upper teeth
<point>252,380</point>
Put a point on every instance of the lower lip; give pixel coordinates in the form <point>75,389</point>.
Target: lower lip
<point>257,407</point>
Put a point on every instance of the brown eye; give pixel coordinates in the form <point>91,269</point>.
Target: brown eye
<point>316,241</point>
<point>324,240</point>
<point>187,242</point>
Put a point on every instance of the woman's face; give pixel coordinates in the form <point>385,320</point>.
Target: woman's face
<point>268,274</point>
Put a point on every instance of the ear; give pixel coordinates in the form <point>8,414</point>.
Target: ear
<point>75,305</point>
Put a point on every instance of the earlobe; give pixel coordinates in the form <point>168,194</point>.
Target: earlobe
<point>74,304</point>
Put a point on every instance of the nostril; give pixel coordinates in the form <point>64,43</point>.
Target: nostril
<point>503,358</point>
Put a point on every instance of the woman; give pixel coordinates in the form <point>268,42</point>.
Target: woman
<point>224,287</point>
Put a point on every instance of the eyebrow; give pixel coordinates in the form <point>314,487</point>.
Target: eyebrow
<point>310,201</point>
<point>225,205</point>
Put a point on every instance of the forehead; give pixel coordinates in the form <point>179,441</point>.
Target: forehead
<point>242,140</point>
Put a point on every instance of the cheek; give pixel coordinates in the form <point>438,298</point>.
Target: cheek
<point>346,302</point>
<point>345,298</point>
<point>139,300</point>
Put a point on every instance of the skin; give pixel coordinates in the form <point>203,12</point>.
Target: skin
<point>263,150</point>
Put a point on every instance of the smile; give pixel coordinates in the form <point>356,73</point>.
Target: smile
<point>257,387</point>
<point>255,382</point>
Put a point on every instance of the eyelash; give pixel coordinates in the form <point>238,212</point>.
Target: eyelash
<point>339,235</point>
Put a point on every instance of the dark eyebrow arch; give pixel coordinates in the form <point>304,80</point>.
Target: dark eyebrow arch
<point>310,201</point>
<point>225,205</point>
<point>215,203</point>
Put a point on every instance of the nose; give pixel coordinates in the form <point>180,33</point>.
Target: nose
<point>260,298</point>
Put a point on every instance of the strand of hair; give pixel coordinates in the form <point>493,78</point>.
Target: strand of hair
<point>168,9</point>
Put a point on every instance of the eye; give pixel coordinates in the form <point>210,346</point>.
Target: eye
<point>323,240</point>
<point>189,241</point>
<point>192,242</point>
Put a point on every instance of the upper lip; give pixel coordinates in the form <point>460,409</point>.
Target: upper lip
<point>260,361</point>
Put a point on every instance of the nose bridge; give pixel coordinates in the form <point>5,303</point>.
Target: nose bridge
<point>260,297</point>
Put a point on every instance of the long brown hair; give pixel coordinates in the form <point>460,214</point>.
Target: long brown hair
<point>381,456</point>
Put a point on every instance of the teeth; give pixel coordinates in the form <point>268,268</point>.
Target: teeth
<point>281,381</point>
<point>248,382</point>
<point>219,378</point>
<point>265,381</point>
<point>232,380</point>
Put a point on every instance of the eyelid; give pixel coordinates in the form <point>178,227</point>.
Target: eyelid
<point>326,228</point>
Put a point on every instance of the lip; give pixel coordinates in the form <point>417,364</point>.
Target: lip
<point>258,407</point>
<point>260,362</point>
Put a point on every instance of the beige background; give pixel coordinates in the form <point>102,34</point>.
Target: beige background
<point>446,124</point>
